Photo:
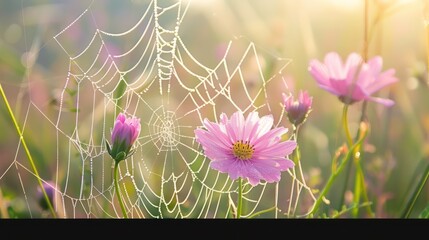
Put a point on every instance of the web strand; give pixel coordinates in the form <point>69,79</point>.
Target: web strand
<point>154,76</point>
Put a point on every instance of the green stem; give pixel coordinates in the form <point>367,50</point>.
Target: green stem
<point>3,206</point>
<point>363,131</point>
<point>360,188</point>
<point>262,212</point>
<point>359,178</point>
<point>366,39</point>
<point>407,211</point>
<point>365,32</point>
<point>346,125</point>
<point>27,151</point>
<point>333,177</point>
<point>349,165</point>
<point>297,155</point>
<point>118,193</point>
<point>240,198</point>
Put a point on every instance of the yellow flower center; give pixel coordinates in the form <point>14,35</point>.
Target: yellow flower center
<point>243,150</point>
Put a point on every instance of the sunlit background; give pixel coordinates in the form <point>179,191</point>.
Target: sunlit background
<point>38,40</point>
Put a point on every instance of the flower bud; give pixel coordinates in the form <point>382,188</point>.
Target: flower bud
<point>297,110</point>
<point>124,134</point>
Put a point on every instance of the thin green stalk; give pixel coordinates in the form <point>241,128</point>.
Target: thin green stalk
<point>262,212</point>
<point>349,164</point>
<point>366,38</point>
<point>3,206</point>
<point>332,178</point>
<point>117,190</point>
<point>297,160</point>
<point>295,183</point>
<point>334,175</point>
<point>297,155</point>
<point>360,187</point>
<point>27,152</point>
<point>365,32</point>
<point>427,54</point>
<point>346,125</point>
<point>426,22</point>
<point>359,177</point>
<point>407,210</point>
<point>240,197</point>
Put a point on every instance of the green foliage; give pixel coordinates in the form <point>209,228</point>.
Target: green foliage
<point>425,213</point>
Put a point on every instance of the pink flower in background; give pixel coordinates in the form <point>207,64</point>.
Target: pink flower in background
<point>297,110</point>
<point>124,134</point>
<point>50,192</point>
<point>246,147</point>
<point>353,81</point>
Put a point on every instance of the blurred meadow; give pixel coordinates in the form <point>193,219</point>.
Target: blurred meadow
<point>40,42</point>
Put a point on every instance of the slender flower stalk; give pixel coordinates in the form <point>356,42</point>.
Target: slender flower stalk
<point>418,189</point>
<point>346,125</point>
<point>246,148</point>
<point>297,112</point>
<point>124,134</point>
<point>360,177</point>
<point>27,152</point>
<point>426,24</point>
<point>240,198</point>
<point>117,190</point>
<point>337,170</point>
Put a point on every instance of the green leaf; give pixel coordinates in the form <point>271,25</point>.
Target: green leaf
<point>119,92</point>
<point>108,148</point>
<point>417,190</point>
<point>425,213</point>
<point>71,92</point>
<point>263,211</point>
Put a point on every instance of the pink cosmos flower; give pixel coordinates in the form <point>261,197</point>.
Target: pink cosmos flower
<point>124,134</point>
<point>246,147</point>
<point>353,81</point>
<point>297,110</point>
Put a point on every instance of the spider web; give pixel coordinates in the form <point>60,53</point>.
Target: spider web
<point>154,76</point>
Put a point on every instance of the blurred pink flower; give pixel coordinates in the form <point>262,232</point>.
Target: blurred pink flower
<point>297,110</point>
<point>124,134</point>
<point>246,148</point>
<point>50,192</point>
<point>355,80</point>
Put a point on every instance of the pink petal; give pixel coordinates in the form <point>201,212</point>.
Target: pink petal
<point>265,124</point>
<point>251,126</point>
<point>268,138</point>
<point>341,87</point>
<point>375,65</point>
<point>209,140</point>
<point>385,102</point>
<point>121,117</point>
<point>334,65</point>
<point>217,133</point>
<point>384,79</point>
<point>319,72</point>
<point>279,149</point>
<point>352,64</point>
<point>237,124</point>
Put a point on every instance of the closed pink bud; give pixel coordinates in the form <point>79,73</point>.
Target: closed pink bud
<point>124,134</point>
<point>297,110</point>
